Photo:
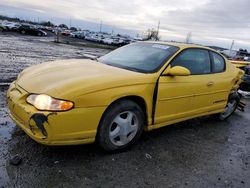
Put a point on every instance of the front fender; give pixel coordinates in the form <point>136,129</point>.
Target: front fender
<point>106,97</point>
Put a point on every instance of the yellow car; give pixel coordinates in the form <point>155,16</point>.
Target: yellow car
<point>111,100</point>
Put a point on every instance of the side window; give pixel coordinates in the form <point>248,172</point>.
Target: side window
<point>196,60</point>
<point>218,62</point>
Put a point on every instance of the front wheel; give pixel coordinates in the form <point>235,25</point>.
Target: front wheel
<point>231,106</point>
<point>121,126</point>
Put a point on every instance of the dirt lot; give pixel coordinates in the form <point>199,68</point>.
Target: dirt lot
<point>198,153</point>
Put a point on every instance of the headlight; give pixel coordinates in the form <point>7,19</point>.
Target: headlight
<point>45,102</point>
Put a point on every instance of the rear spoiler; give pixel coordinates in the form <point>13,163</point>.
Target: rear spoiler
<point>239,64</point>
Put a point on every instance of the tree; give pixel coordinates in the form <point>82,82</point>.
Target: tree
<point>243,50</point>
<point>48,24</point>
<point>63,26</point>
<point>152,34</point>
<point>73,29</point>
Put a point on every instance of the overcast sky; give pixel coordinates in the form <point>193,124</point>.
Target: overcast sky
<point>212,22</point>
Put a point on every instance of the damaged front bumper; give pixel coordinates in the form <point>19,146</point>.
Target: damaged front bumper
<point>76,126</point>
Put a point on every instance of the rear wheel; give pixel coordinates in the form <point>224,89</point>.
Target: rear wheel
<point>231,106</point>
<point>121,126</point>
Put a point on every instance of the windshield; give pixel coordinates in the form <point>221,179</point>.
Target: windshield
<point>141,57</point>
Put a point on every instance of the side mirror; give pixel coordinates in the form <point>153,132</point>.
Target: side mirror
<point>177,71</point>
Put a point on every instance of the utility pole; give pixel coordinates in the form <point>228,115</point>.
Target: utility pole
<point>231,48</point>
<point>101,26</point>
<point>189,36</point>
<point>158,30</point>
<point>70,22</point>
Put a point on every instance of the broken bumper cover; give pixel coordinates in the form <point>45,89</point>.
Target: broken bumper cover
<point>77,126</point>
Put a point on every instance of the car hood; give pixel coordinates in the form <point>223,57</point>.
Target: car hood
<point>68,78</point>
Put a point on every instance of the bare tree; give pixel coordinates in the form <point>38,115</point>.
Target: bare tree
<point>152,34</point>
<point>63,26</point>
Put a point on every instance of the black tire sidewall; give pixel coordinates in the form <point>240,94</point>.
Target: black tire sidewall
<point>115,109</point>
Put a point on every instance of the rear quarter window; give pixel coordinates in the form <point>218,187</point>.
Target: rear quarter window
<point>218,63</point>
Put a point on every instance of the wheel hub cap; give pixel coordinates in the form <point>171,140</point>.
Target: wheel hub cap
<point>123,128</point>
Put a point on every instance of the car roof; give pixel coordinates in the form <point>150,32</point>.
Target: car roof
<point>180,45</point>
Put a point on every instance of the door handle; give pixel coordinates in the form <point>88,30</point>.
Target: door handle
<point>210,83</point>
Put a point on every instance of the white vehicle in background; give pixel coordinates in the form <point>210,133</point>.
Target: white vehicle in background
<point>10,25</point>
<point>78,34</point>
<point>118,41</point>
<point>88,37</point>
<point>108,41</point>
<point>57,30</point>
<point>93,38</point>
<point>138,38</point>
<point>246,58</point>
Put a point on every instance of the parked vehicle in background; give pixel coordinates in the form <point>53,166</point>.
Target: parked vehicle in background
<point>40,29</point>
<point>108,41</point>
<point>11,26</point>
<point>66,33</point>
<point>2,28</point>
<point>15,27</point>
<point>57,30</point>
<point>31,30</point>
<point>78,34</point>
<point>94,38</point>
<point>246,58</point>
<point>245,66</point>
<point>118,41</point>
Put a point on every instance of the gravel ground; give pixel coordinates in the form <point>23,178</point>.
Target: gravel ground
<point>202,152</point>
<point>19,51</point>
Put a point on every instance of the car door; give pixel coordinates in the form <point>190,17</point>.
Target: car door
<point>221,86</point>
<point>184,96</point>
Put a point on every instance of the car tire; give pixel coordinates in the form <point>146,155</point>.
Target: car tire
<point>39,34</point>
<point>231,106</point>
<point>121,126</point>
<point>23,32</point>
